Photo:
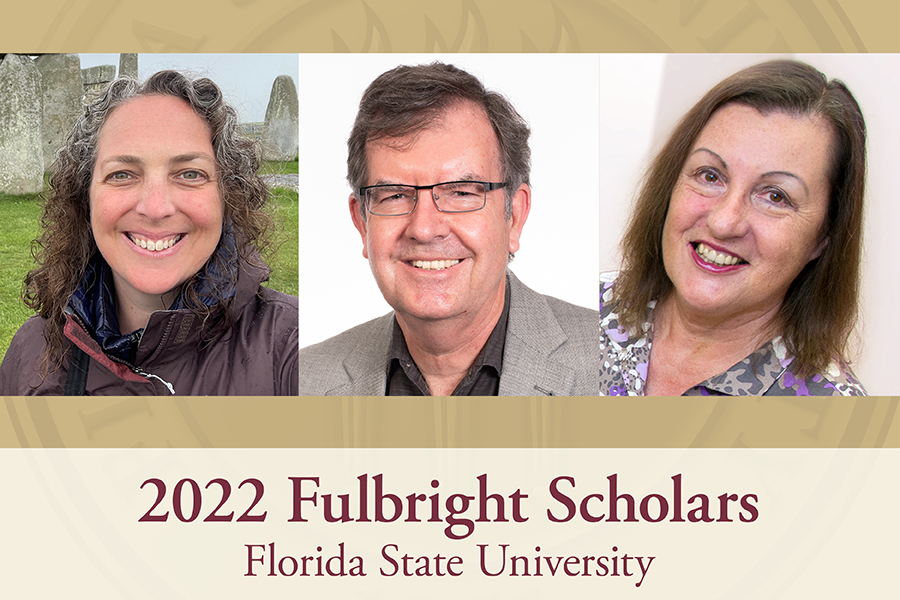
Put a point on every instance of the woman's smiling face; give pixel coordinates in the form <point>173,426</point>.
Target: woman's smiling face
<point>747,211</point>
<point>156,211</point>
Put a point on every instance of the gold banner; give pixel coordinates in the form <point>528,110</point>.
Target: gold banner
<point>462,26</point>
<point>450,423</point>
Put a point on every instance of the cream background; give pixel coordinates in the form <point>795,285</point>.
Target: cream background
<point>821,513</point>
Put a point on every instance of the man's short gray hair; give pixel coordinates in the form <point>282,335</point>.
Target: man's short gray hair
<point>408,99</point>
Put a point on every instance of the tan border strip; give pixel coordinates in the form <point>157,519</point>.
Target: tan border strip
<point>451,423</point>
<point>464,26</point>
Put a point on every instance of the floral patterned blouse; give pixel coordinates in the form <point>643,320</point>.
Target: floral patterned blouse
<point>766,372</point>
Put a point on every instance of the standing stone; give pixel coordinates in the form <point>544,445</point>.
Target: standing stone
<point>280,138</point>
<point>62,91</point>
<point>96,79</point>
<point>128,66</point>
<point>21,154</point>
<point>253,130</point>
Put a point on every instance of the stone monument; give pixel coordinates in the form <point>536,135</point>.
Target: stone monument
<point>280,141</point>
<point>128,65</point>
<point>96,79</point>
<point>21,155</point>
<point>62,92</point>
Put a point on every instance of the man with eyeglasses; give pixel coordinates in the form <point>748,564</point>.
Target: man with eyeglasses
<point>439,168</point>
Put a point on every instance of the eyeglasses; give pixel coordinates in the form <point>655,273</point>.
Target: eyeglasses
<point>390,200</point>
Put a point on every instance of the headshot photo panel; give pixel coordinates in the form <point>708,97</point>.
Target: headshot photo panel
<point>438,256</point>
<point>665,88</point>
<point>165,258</point>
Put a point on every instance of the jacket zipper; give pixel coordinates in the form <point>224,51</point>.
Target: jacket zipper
<point>134,369</point>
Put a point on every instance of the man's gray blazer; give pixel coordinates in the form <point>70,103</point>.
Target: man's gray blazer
<point>552,349</point>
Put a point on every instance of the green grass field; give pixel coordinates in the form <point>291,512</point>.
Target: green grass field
<point>285,268</point>
<point>20,216</point>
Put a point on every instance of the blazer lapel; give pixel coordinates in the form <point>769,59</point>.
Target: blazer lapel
<point>533,335</point>
<point>366,363</point>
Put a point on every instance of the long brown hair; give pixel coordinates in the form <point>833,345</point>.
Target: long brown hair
<point>66,244</point>
<point>820,307</point>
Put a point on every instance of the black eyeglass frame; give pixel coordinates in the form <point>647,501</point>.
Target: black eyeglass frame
<point>488,187</point>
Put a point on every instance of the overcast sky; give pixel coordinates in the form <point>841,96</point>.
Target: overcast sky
<point>246,79</point>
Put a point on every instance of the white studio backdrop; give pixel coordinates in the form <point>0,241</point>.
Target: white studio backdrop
<point>557,95</point>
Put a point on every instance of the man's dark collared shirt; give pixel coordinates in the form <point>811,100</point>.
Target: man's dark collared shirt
<point>482,379</point>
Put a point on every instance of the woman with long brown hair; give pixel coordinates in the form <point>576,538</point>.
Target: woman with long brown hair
<point>741,260</point>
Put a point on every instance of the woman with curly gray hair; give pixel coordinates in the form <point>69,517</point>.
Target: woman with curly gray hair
<point>149,273</point>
